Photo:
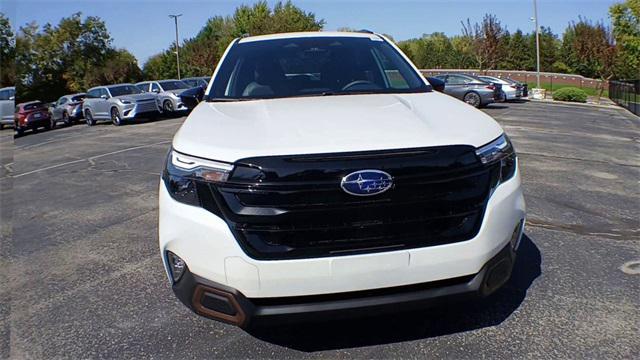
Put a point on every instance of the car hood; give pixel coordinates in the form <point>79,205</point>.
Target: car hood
<point>229,131</point>
<point>176,91</point>
<point>136,97</point>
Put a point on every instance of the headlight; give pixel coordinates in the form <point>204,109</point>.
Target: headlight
<point>126,102</point>
<point>183,173</point>
<point>500,150</point>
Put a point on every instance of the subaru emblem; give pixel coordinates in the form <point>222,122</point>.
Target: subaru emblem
<point>366,182</point>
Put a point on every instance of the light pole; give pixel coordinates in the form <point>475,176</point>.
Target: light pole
<point>175,18</point>
<point>535,19</point>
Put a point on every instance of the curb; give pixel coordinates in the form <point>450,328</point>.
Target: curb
<point>555,102</point>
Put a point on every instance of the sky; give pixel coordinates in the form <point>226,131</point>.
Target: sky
<point>144,28</point>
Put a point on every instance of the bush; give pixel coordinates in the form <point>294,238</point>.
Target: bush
<point>570,94</point>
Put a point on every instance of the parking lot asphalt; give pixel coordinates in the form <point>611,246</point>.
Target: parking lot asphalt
<point>85,277</point>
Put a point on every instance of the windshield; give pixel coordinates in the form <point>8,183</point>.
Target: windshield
<point>313,66</point>
<point>173,85</point>
<point>7,94</point>
<point>124,90</point>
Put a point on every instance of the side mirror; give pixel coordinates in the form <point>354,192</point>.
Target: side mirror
<point>155,91</point>
<point>12,97</point>
<point>103,97</point>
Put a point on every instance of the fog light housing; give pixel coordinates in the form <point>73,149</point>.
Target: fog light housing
<point>176,265</point>
<point>516,236</point>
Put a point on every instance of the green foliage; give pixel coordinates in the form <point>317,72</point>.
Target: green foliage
<point>7,53</point>
<point>572,94</point>
<point>199,55</point>
<point>626,29</point>
<point>70,57</point>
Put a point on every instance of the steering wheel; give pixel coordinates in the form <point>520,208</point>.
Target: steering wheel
<point>359,82</point>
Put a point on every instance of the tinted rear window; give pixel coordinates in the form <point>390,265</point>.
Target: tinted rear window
<point>35,106</point>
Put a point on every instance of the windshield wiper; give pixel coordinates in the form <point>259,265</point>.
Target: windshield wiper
<point>231,99</point>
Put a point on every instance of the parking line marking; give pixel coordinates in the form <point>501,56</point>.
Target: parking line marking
<point>90,159</point>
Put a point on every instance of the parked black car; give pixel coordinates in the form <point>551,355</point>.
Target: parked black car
<point>438,84</point>
<point>191,97</point>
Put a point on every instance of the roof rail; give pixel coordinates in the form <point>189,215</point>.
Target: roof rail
<point>365,31</point>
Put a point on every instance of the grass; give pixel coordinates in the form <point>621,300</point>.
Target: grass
<point>589,91</point>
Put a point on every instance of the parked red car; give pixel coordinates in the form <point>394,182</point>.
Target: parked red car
<point>32,115</point>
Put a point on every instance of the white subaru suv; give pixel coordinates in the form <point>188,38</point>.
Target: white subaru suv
<point>321,178</point>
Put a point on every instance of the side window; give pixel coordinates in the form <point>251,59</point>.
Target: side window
<point>92,94</point>
<point>456,80</point>
<point>4,95</point>
<point>104,92</point>
<point>155,87</point>
<point>143,87</point>
<point>62,101</point>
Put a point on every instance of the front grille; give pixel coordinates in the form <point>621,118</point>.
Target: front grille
<point>293,207</point>
<point>146,106</point>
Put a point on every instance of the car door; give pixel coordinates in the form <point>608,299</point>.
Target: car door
<point>7,104</point>
<point>456,85</point>
<point>57,110</point>
<point>102,107</point>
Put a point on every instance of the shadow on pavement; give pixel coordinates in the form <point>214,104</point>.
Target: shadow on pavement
<point>443,320</point>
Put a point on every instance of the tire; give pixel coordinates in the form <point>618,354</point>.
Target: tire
<point>20,131</point>
<point>473,99</point>
<point>89,118</point>
<point>167,107</point>
<point>1,126</point>
<point>66,119</point>
<point>115,117</point>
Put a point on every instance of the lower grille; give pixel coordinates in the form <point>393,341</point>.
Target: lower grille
<point>293,207</point>
<point>146,106</point>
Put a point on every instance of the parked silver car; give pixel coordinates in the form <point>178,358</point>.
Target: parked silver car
<point>470,89</point>
<point>118,103</point>
<point>7,106</point>
<point>168,92</point>
<point>67,109</point>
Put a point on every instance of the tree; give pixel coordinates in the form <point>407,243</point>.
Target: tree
<point>487,41</point>
<point>119,66</point>
<point>70,57</point>
<point>519,53</point>
<point>590,50</point>
<point>201,53</point>
<point>626,29</point>
<point>549,48</point>
<point>7,53</point>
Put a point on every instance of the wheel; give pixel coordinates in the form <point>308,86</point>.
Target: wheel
<point>472,99</point>
<point>66,119</point>
<point>19,130</point>
<point>89,118</point>
<point>167,107</point>
<point>1,126</point>
<point>115,117</point>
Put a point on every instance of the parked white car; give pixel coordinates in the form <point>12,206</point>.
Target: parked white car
<point>168,92</point>
<point>511,90</point>
<point>7,106</point>
<point>118,103</point>
<point>322,177</point>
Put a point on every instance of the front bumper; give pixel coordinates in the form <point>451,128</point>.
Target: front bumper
<point>226,304</point>
<point>205,242</point>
